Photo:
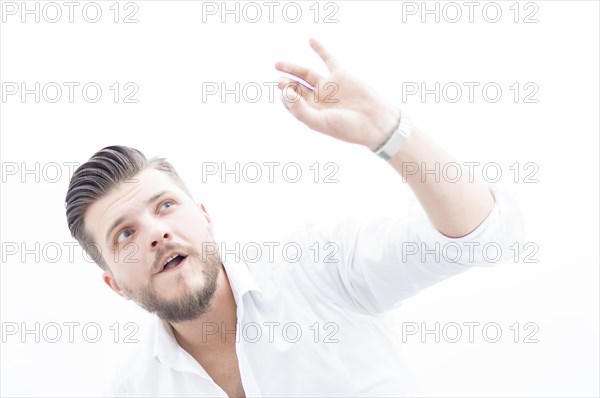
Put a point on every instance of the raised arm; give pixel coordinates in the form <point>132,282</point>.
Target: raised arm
<point>345,108</point>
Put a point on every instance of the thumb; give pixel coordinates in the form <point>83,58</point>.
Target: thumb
<point>303,112</point>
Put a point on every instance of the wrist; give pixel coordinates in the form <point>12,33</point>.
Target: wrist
<point>385,124</point>
<point>396,140</point>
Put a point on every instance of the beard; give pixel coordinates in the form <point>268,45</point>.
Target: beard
<point>193,302</point>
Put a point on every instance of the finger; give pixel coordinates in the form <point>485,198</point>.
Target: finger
<point>292,89</point>
<point>325,55</point>
<point>304,113</point>
<point>309,76</point>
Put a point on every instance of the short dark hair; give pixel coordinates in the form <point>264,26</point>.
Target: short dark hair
<point>92,180</point>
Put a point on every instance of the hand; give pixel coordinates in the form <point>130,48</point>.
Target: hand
<point>338,105</point>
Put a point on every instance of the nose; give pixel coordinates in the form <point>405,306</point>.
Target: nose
<point>166,236</point>
<point>160,236</point>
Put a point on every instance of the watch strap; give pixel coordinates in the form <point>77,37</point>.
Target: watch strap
<point>396,140</point>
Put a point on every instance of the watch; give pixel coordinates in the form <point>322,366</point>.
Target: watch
<point>396,141</point>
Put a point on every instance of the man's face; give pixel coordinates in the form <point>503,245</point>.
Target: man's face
<point>154,240</point>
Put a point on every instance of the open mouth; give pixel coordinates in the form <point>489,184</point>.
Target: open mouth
<point>173,262</point>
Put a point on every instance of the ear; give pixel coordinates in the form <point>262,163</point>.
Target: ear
<point>108,278</point>
<point>203,211</point>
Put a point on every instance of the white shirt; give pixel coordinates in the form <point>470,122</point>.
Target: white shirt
<point>339,339</point>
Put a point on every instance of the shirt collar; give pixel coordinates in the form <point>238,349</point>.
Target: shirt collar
<point>241,280</point>
<point>165,346</point>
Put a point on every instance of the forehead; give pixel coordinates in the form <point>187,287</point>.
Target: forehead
<point>127,198</point>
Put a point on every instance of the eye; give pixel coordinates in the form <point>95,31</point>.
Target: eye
<point>166,204</point>
<point>123,235</point>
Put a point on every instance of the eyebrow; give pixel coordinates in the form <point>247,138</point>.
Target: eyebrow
<point>120,220</point>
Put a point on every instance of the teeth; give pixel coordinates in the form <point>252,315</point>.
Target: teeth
<point>169,259</point>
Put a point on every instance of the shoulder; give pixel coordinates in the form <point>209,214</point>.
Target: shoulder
<point>339,231</point>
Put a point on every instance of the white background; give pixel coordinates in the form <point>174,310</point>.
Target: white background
<point>171,52</point>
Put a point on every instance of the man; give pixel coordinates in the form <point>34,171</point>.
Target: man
<point>318,325</point>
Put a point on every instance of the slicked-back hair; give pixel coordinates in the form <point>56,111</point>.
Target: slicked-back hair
<point>95,178</point>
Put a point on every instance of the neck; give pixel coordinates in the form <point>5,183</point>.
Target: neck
<point>214,330</point>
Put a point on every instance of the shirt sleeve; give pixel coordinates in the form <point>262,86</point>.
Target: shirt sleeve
<point>382,262</point>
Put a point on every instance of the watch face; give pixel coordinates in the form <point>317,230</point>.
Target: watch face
<point>397,140</point>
